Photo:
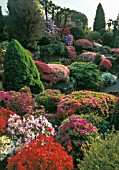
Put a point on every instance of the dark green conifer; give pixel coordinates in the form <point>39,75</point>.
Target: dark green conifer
<point>20,69</point>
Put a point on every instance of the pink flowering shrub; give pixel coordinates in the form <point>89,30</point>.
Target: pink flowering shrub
<point>105,64</point>
<point>75,134</point>
<point>82,102</point>
<point>81,44</point>
<point>21,103</point>
<point>115,50</point>
<point>60,72</point>
<point>87,56</point>
<point>64,31</point>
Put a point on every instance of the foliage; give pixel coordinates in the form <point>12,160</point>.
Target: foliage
<point>107,38</point>
<point>86,74</point>
<point>49,99</point>
<point>99,21</point>
<point>83,44</point>
<point>98,121</point>
<point>115,50</point>
<point>20,70</point>
<point>74,133</point>
<point>4,116</point>
<point>106,49</point>
<point>71,55</point>
<point>49,52</point>
<point>102,154</point>
<point>105,64</point>
<point>25,20</point>
<point>98,59</point>
<point>49,39</point>
<point>94,36</point>
<point>50,154</point>
<point>77,32</point>
<point>86,102</point>
<point>109,78</point>
<point>115,115</point>
<point>1,25</point>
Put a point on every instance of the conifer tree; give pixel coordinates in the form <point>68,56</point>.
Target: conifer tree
<point>99,21</point>
<point>1,25</point>
<point>20,69</point>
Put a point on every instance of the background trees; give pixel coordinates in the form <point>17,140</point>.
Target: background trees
<point>25,20</point>
<point>1,25</point>
<point>99,21</point>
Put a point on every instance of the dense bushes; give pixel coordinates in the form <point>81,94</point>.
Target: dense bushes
<point>77,32</point>
<point>83,44</point>
<point>86,102</point>
<point>94,35</point>
<point>53,52</point>
<point>102,155</point>
<point>86,74</point>
<point>107,38</point>
<point>20,70</point>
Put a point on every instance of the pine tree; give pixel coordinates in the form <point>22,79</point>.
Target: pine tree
<point>20,69</point>
<point>25,20</point>
<point>99,21</point>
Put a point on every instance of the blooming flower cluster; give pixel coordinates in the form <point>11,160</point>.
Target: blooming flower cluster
<point>4,116</point>
<point>83,44</point>
<point>105,64</point>
<point>115,50</point>
<point>28,128</point>
<point>68,39</point>
<point>82,102</point>
<point>72,54</point>
<point>42,154</point>
<point>87,56</point>
<point>76,132</point>
<point>64,31</point>
<point>21,103</point>
<point>6,147</point>
<point>51,27</point>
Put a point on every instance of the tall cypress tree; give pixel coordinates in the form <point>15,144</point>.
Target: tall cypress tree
<point>99,20</point>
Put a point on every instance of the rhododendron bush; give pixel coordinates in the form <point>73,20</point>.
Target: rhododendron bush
<point>82,102</point>
<point>105,64</point>
<point>74,133</point>
<point>87,56</point>
<point>81,44</point>
<point>21,103</point>
<point>42,154</point>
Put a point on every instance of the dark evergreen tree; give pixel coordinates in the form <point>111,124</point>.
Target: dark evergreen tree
<point>1,25</point>
<point>25,20</point>
<point>20,69</point>
<point>99,21</point>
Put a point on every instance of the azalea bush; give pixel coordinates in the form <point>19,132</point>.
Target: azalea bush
<point>75,134</point>
<point>109,78</point>
<point>82,44</point>
<point>86,102</point>
<point>86,75</point>
<point>115,50</point>
<point>87,56</point>
<point>71,55</point>
<point>42,154</point>
<point>105,64</point>
<point>21,103</point>
<point>4,116</point>
<point>22,131</point>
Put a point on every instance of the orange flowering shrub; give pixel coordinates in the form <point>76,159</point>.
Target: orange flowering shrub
<point>42,154</point>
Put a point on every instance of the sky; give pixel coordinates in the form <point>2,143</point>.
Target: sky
<point>88,7</point>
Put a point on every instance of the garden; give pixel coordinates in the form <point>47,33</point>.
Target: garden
<point>54,113</point>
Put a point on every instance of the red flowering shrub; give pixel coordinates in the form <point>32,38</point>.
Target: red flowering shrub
<point>45,74</point>
<point>105,64</point>
<point>115,50</point>
<point>4,116</point>
<point>41,154</point>
<point>87,56</point>
<point>72,54</point>
<point>115,115</point>
<point>82,102</point>
<point>64,31</point>
<point>81,44</point>
<point>74,133</point>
